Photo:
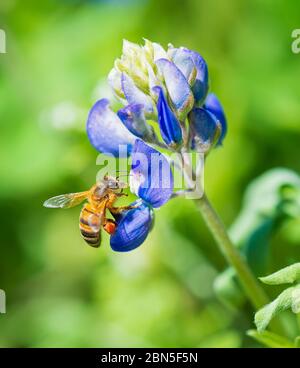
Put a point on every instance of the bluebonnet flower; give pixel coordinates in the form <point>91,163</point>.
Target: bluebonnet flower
<point>205,129</point>
<point>133,117</point>
<point>213,105</point>
<point>106,131</point>
<point>170,128</point>
<point>152,181</point>
<point>156,86</point>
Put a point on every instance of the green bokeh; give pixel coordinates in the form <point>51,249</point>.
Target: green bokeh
<point>61,292</point>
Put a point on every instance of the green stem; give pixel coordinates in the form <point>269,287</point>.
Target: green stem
<point>248,281</point>
<point>253,290</point>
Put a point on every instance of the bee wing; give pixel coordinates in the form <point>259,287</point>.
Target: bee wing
<point>66,200</point>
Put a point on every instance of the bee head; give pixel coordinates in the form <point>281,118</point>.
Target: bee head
<point>113,183</point>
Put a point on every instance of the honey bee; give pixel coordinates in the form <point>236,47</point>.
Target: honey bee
<point>100,197</point>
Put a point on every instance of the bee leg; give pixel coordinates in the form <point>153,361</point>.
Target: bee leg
<point>121,194</point>
<point>109,226</point>
<point>120,209</point>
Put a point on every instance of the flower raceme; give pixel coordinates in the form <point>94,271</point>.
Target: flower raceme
<point>166,104</point>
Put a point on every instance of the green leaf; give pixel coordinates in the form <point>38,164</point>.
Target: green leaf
<point>297,342</point>
<point>262,199</point>
<point>287,275</point>
<point>289,298</point>
<point>228,290</point>
<point>257,245</point>
<point>270,339</point>
<point>269,201</point>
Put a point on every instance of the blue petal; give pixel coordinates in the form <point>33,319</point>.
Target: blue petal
<point>106,131</point>
<point>133,118</point>
<point>169,125</point>
<point>133,227</point>
<point>203,126</point>
<point>213,105</point>
<point>182,59</point>
<point>151,175</point>
<point>177,86</point>
<point>200,87</point>
<point>135,96</point>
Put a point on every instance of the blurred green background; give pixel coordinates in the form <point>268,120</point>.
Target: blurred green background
<point>60,292</point>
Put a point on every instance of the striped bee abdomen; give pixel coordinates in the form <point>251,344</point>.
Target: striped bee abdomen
<point>89,224</point>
